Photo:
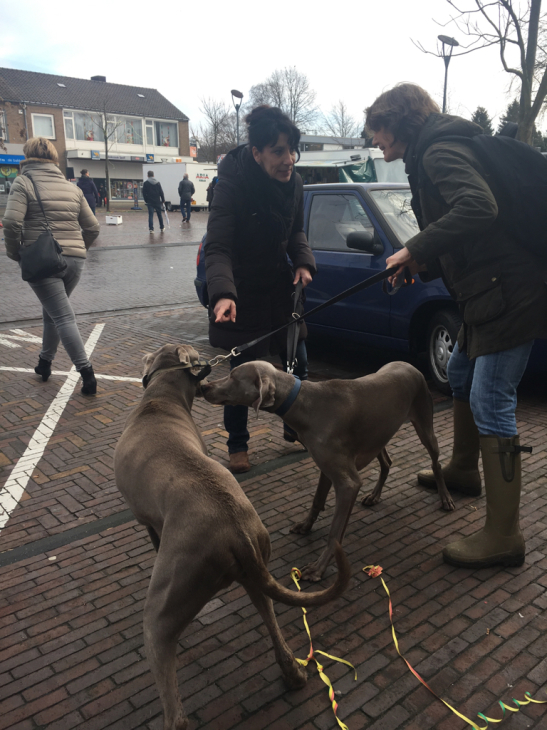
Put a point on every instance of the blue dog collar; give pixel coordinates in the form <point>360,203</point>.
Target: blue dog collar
<point>289,400</point>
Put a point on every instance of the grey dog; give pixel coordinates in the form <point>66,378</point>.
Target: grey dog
<point>344,424</point>
<point>204,528</point>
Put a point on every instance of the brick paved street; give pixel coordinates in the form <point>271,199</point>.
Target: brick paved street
<point>74,566</point>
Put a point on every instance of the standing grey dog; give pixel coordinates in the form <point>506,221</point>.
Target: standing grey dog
<point>344,424</point>
<point>204,528</point>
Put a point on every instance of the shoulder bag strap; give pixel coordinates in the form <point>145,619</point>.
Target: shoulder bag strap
<point>39,200</point>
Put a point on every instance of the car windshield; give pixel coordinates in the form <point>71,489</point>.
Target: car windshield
<point>396,209</point>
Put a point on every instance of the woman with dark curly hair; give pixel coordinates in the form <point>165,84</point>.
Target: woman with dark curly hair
<point>502,299</point>
<point>256,223</point>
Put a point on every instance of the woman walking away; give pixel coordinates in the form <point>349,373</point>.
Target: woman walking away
<point>256,219</point>
<point>74,227</point>
<point>502,299</point>
<point>88,188</point>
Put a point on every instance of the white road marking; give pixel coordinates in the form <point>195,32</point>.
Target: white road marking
<point>13,489</point>
<point>19,336</point>
<point>65,373</point>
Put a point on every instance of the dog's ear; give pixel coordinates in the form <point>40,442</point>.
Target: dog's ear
<point>265,386</point>
<point>187,354</point>
<point>147,361</point>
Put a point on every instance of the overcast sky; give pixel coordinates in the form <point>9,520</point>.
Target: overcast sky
<point>350,50</point>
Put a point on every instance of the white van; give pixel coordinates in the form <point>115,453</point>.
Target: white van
<point>169,174</point>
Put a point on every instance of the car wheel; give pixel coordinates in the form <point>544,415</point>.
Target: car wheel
<point>441,338</point>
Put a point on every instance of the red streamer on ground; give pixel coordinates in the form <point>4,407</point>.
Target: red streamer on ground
<point>375,571</point>
<point>295,575</point>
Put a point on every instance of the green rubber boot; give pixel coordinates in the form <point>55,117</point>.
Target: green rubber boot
<point>461,474</point>
<point>500,542</point>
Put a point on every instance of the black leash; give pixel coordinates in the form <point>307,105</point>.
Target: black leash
<point>381,276</point>
<point>346,293</point>
<point>294,328</point>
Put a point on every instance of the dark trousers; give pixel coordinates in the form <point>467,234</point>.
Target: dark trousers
<point>185,208</point>
<point>151,209</point>
<point>235,417</point>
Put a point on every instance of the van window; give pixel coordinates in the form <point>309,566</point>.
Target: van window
<point>332,218</point>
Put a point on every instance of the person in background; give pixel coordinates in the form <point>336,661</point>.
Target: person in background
<point>102,195</point>
<point>502,299</point>
<point>257,218</point>
<point>88,188</point>
<point>186,190</point>
<point>154,198</point>
<point>75,228</point>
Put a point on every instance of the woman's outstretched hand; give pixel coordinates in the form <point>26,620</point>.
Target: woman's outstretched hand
<point>402,259</point>
<point>225,310</point>
<point>302,274</point>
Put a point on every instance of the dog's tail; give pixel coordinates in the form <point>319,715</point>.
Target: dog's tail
<point>260,574</point>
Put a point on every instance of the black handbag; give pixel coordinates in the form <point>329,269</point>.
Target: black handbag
<point>44,257</point>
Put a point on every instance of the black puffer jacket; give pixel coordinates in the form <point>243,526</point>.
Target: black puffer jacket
<point>498,285</point>
<point>254,223</point>
<point>88,188</point>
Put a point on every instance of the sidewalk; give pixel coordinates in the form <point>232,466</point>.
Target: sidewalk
<point>75,568</point>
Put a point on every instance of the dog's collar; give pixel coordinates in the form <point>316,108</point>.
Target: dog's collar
<point>289,400</point>
<point>203,364</point>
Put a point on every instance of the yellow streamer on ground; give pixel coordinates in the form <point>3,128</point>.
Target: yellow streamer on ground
<point>295,575</point>
<point>375,571</point>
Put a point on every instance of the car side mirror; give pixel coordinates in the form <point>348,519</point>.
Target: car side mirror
<point>367,240</point>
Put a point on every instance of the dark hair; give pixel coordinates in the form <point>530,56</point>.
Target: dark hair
<point>83,172</point>
<point>265,124</point>
<point>150,173</point>
<point>402,111</point>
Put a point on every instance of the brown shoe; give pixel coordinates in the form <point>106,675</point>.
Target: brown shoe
<point>239,462</point>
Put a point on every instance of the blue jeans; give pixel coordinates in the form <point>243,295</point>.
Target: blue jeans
<point>489,384</point>
<point>59,319</point>
<point>151,209</point>
<point>235,417</point>
<point>185,208</point>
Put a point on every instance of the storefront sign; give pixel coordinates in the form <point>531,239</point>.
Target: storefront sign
<point>150,158</point>
<point>193,151</point>
<point>95,154</point>
<point>119,157</point>
<point>137,158</point>
<point>11,159</point>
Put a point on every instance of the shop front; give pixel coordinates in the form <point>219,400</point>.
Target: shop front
<point>125,172</point>
<point>9,169</point>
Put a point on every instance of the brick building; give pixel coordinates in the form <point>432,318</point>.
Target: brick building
<point>142,126</point>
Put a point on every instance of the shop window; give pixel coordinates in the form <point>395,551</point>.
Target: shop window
<point>166,134</point>
<point>43,125</point>
<point>129,131</point>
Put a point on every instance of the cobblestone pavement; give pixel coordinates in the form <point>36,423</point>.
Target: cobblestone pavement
<point>74,569</point>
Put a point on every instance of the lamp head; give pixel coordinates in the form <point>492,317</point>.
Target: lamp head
<point>447,40</point>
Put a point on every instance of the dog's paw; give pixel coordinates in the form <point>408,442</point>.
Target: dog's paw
<point>302,528</point>
<point>312,573</point>
<point>447,504</point>
<point>370,499</point>
<point>295,677</point>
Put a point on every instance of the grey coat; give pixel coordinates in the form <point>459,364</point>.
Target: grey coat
<point>69,215</point>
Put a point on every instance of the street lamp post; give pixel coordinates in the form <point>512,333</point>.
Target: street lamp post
<point>451,43</point>
<point>238,95</point>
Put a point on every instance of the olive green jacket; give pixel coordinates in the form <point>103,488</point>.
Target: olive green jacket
<point>70,218</point>
<point>497,283</point>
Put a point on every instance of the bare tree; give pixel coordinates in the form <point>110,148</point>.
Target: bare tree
<point>340,123</point>
<point>212,133</point>
<point>519,31</point>
<point>103,126</point>
<point>290,90</point>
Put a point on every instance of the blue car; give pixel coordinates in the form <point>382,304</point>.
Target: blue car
<point>353,228</point>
